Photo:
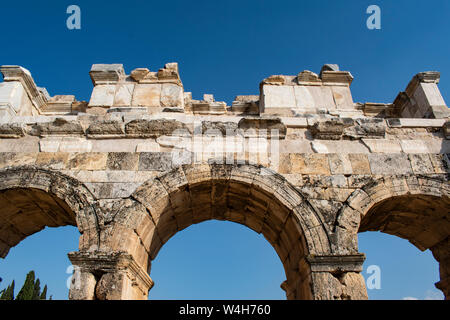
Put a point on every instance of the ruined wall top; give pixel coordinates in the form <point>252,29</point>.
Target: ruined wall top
<point>323,95</point>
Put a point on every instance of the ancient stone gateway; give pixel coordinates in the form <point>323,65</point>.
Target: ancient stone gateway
<point>300,163</point>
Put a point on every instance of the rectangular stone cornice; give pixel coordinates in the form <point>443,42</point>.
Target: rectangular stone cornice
<point>374,109</point>
<point>106,73</point>
<point>415,123</point>
<point>110,262</point>
<point>344,77</point>
<point>18,73</point>
<point>331,263</point>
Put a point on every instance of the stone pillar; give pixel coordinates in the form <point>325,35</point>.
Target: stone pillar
<point>422,98</point>
<point>336,277</point>
<point>108,276</point>
<point>19,95</point>
<point>441,253</point>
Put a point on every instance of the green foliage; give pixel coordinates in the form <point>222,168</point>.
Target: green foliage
<point>8,293</point>
<point>31,290</point>
<point>43,295</point>
<point>27,291</point>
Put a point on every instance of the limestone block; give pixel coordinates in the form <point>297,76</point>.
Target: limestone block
<point>11,94</point>
<point>278,97</point>
<point>172,95</point>
<point>61,104</point>
<point>414,146</point>
<point>106,73</point>
<point>122,161</point>
<point>382,146</point>
<point>61,126</point>
<point>215,128</point>
<point>123,94</point>
<point>49,145</point>
<point>354,286</point>
<point>342,147</point>
<point>102,96</point>
<point>87,161</point>
<point>82,285</point>
<point>366,128</point>
<point>310,164</point>
<point>112,190</point>
<point>342,97</point>
<point>294,122</point>
<point>415,123</point>
<point>105,129</point>
<point>34,98</point>
<point>295,146</point>
<point>115,145</point>
<point>267,127</point>
<point>6,113</point>
<point>421,163</point>
<point>25,144</point>
<point>428,94</point>
<point>360,163</point>
<point>75,145</point>
<point>336,77</point>
<point>147,95</point>
<point>8,159</point>
<point>155,161</point>
<point>389,164</point>
<point>329,129</point>
<point>143,128</point>
<point>437,146</point>
<point>148,146</point>
<point>340,164</point>
<point>307,76</point>
<point>326,287</point>
<point>175,142</point>
<point>323,97</point>
<point>440,162</point>
<point>139,73</point>
<point>303,98</point>
<point>52,160</point>
<point>113,286</point>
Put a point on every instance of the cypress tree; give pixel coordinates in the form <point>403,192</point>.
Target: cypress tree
<point>27,291</point>
<point>31,290</point>
<point>44,294</point>
<point>8,293</point>
<point>37,290</point>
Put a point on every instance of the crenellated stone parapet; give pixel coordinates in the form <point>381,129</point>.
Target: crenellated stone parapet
<point>306,95</point>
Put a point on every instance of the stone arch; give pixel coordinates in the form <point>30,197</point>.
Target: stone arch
<point>415,208</point>
<point>33,198</point>
<point>251,195</point>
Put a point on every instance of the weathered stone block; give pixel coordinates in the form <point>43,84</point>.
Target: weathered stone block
<point>172,95</point>
<point>155,161</point>
<point>414,146</point>
<point>147,95</point>
<point>360,163</point>
<point>87,161</point>
<point>52,160</point>
<point>155,128</point>
<point>102,96</point>
<point>389,164</point>
<point>122,161</point>
<point>310,164</point>
<point>123,94</point>
<point>105,129</point>
<point>382,146</point>
<point>340,164</point>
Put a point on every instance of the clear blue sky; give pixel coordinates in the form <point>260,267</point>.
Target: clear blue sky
<point>226,48</point>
